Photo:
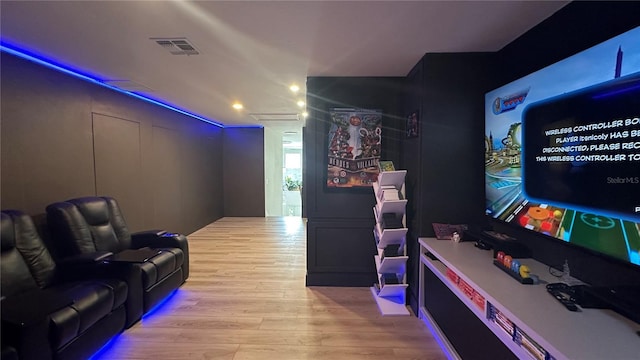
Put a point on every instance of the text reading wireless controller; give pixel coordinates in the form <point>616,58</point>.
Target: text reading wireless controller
<point>558,291</point>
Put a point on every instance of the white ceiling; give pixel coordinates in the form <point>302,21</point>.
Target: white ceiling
<point>251,51</point>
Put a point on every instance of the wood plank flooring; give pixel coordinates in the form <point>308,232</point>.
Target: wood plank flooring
<point>246,299</point>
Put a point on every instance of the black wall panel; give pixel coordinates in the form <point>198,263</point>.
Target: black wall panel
<point>411,161</point>
<point>452,146</point>
<point>167,177</point>
<point>116,146</point>
<point>41,162</point>
<point>63,137</point>
<point>444,178</point>
<point>336,254</point>
<point>201,174</point>
<point>243,172</point>
<point>327,93</point>
<point>344,256</point>
<point>577,26</point>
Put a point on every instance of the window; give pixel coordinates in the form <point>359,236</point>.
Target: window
<point>292,161</point>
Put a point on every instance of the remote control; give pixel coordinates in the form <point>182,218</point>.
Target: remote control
<point>570,305</point>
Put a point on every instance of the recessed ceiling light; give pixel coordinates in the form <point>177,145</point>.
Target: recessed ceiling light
<point>295,88</point>
<point>237,106</point>
<point>305,114</point>
<point>300,103</point>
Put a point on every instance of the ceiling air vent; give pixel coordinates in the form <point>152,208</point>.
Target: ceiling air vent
<point>275,116</point>
<point>177,46</point>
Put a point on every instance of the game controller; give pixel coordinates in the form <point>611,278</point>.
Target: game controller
<point>564,294</point>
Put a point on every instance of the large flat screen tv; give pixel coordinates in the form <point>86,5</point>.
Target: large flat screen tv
<point>562,150</point>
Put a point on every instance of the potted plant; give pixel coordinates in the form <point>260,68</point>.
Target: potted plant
<point>292,184</point>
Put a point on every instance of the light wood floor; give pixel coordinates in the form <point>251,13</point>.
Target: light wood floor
<point>246,299</point>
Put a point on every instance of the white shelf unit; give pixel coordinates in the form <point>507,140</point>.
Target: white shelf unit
<point>391,298</point>
<point>388,236</point>
<point>586,334</point>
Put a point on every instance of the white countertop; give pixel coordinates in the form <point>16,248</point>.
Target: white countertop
<point>588,334</point>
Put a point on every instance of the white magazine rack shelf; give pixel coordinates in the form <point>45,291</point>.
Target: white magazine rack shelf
<point>390,295</point>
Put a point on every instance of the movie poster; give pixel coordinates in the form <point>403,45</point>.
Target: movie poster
<point>412,125</point>
<point>353,148</point>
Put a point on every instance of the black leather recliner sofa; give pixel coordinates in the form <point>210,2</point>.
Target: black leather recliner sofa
<point>49,311</point>
<point>154,263</point>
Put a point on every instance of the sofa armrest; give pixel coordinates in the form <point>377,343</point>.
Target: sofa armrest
<point>83,266</point>
<point>149,238</point>
<point>140,255</point>
<point>83,259</point>
<point>163,239</point>
<point>158,239</point>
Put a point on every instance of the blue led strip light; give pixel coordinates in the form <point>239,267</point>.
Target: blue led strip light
<point>10,50</point>
<point>105,348</point>
<point>159,305</point>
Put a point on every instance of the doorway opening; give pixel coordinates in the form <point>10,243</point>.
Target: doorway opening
<point>283,171</point>
<point>292,184</point>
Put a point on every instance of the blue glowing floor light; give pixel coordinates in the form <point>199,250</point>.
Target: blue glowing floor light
<point>105,348</point>
<point>154,311</point>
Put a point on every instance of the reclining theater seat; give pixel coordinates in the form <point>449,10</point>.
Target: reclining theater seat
<point>46,315</point>
<point>156,262</point>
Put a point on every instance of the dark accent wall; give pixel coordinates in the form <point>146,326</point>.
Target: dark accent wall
<point>243,172</point>
<point>445,163</point>
<point>445,181</point>
<point>340,244</point>
<point>574,28</point>
<point>63,137</point>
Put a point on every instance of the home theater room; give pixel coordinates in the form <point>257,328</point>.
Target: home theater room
<point>499,152</point>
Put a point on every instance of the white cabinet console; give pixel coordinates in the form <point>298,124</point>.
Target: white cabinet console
<point>526,320</point>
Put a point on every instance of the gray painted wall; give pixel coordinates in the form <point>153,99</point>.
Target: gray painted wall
<point>243,172</point>
<point>62,137</point>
